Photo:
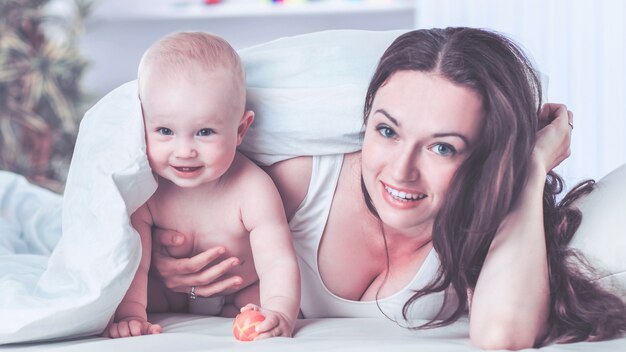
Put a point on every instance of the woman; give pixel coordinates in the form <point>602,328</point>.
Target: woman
<point>440,204</point>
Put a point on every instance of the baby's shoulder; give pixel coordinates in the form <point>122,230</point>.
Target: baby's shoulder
<point>245,176</point>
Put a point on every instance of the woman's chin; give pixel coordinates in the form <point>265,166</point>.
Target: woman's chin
<point>410,223</point>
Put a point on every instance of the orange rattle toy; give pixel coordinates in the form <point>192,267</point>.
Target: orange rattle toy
<point>244,324</point>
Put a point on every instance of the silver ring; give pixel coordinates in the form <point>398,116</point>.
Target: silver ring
<point>192,293</point>
<point>571,124</point>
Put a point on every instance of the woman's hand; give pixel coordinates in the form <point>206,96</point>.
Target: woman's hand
<point>202,271</point>
<point>553,140</point>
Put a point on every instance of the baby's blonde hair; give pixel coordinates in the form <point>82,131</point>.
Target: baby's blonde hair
<point>187,53</point>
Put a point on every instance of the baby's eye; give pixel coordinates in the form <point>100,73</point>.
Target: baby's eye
<point>444,149</point>
<point>386,131</point>
<point>164,131</point>
<point>205,132</point>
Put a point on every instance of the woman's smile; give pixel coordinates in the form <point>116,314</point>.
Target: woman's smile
<point>401,198</point>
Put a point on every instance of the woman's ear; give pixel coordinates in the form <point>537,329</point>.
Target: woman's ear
<point>244,124</point>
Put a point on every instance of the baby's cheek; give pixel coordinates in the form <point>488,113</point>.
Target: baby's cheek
<point>157,154</point>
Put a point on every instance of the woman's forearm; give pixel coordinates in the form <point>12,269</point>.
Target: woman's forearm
<point>509,307</point>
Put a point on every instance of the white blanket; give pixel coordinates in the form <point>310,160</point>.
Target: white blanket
<point>94,261</point>
<point>29,230</point>
<point>309,104</point>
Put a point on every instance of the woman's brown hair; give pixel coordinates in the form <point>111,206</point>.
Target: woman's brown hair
<point>490,181</point>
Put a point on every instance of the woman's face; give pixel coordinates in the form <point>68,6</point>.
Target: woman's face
<point>420,129</point>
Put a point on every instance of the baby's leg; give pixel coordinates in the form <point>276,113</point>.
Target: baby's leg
<point>249,294</point>
<point>161,299</point>
<point>212,305</point>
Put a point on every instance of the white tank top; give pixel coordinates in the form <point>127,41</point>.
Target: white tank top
<point>307,227</point>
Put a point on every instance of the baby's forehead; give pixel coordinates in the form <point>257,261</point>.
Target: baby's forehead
<point>195,77</point>
<point>194,69</point>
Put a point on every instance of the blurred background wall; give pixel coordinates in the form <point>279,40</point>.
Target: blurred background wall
<point>119,31</point>
<point>581,46</point>
<point>578,44</point>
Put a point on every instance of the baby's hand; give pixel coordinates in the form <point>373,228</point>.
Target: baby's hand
<point>131,327</point>
<point>275,323</point>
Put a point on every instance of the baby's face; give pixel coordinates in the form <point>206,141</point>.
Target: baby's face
<point>191,127</point>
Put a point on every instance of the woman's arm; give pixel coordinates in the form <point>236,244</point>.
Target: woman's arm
<point>201,270</point>
<point>292,179</point>
<point>510,303</point>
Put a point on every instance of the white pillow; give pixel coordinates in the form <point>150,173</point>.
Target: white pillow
<point>602,233</point>
<point>308,92</point>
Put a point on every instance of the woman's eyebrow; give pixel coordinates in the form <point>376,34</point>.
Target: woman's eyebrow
<point>452,134</point>
<point>435,135</point>
<point>384,112</point>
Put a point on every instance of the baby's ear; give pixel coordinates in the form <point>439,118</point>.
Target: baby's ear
<point>244,124</point>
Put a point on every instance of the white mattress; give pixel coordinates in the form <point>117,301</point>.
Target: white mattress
<point>200,333</point>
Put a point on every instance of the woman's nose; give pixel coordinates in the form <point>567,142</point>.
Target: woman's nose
<point>406,166</point>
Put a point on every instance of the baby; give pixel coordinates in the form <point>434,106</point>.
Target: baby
<point>192,92</point>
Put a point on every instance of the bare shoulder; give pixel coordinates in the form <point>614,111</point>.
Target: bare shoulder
<point>246,176</point>
<point>292,178</point>
<point>259,201</point>
<point>142,215</point>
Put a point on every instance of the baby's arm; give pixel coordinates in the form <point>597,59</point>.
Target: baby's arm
<point>130,317</point>
<point>274,257</point>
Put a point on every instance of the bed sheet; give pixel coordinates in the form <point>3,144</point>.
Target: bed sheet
<point>184,332</point>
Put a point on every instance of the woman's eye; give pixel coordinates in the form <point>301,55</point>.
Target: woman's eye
<point>444,149</point>
<point>386,131</point>
<point>205,132</point>
<point>165,131</point>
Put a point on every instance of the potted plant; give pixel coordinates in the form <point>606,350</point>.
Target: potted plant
<point>41,101</point>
